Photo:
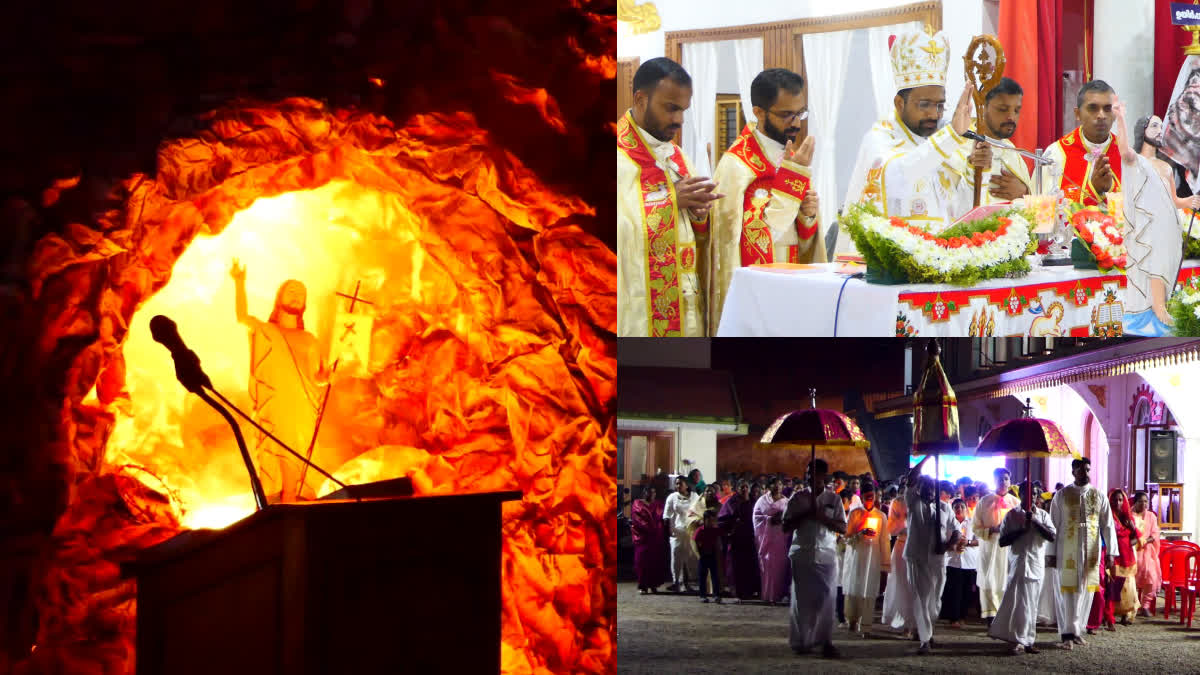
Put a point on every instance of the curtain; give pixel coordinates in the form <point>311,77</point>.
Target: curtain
<point>699,120</point>
<point>1169,42</point>
<point>748,59</point>
<point>879,57</point>
<point>827,60</point>
<point>1018,28</point>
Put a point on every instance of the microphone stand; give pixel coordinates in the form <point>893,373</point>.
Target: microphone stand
<point>194,379</point>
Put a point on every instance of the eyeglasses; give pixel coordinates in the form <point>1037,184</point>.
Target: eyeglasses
<point>926,106</point>
<point>790,115</point>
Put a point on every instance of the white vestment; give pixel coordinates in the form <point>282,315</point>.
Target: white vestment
<point>684,560</point>
<point>814,577</point>
<point>1081,516</point>
<point>1017,619</point>
<point>865,558</point>
<point>1151,233</point>
<point>917,178</point>
<point>897,598</point>
<point>926,569</point>
<point>1002,160</point>
<point>634,286</point>
<point>993,560</point>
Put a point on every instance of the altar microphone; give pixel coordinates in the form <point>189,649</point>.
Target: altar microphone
<point>194,379</point>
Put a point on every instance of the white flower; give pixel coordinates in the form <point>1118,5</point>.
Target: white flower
<point>1196,311</point>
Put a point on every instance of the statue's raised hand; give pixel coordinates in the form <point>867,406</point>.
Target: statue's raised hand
<point>238,271</point>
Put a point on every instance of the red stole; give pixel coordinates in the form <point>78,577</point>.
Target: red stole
<point>666,258</point>
<point>756,246</point>
<point>1076,182</point>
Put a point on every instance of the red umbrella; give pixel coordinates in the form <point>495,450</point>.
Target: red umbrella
<point>815,426</point>
<point>1027,437</point>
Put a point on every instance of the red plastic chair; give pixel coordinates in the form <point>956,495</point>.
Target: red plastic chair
<point>1163,568</point>
<point>1174,575</point>
<point>1192,566</point>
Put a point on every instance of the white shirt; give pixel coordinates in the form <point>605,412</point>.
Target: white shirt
<point>969,558</point>
<point>814,537</point>
<point>925,522</point>
<point>1026,557</point>
<point>678,509</point>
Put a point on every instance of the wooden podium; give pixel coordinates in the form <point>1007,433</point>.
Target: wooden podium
<point>395,585</point>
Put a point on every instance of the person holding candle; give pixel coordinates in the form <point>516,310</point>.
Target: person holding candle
<point>867,554</point>
<point>1026,533</point>
<point>993,562</point>
<point>961,564</point>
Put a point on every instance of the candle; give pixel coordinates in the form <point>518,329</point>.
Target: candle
<point>872,523</point>
<point>1116,201</point>
<point>1045,208</point>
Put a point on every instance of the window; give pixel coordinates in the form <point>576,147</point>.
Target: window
<point>730,122</point>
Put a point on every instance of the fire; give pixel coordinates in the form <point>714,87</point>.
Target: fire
<point>492,361</point>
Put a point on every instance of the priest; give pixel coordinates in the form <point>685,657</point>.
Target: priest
<point>907,166</point>
<point>1086,163</point>
<point>1008,176</point>
<point>769,211</point>
<point>1026,532</point>
<point>662,212</point>
<point>1081,517</point>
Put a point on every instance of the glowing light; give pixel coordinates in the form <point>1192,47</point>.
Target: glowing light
<point>378,82</point>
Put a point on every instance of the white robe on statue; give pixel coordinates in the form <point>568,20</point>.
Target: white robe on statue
<point>1152,240</point>
<point>1081,516</point>
<point>897,598</point>
<point>926,569</point>
<point>1016,621</point>
<point>993,560</point>
<point>902,174</point>
<point>814,577</point>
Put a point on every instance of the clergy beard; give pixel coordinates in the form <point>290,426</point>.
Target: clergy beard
<point>1005,131</point>
<point>776,134</point>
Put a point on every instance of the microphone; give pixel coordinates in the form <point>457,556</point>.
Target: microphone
<point>187,364</point>
<point>973,136</point>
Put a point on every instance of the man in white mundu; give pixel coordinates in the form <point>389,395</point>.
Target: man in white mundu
<point>816,518</point>
<point>1081,517</point>
<point>907,166</point>
<point>931,531</point>
<point>677,512</point>
<point>1025,534</point>
<point>993,560</point>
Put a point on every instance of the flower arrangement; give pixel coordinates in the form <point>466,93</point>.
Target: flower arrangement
<point>1102,238</point>
<point>963,254</point>
<point>1191,244</point>
<point>1184,307</point>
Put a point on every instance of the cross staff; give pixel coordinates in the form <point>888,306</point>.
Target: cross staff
<point>354,299</point>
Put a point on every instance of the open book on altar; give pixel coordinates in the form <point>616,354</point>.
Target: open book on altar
<point>981,212</point>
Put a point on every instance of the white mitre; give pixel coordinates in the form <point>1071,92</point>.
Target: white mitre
<point>920,59</point>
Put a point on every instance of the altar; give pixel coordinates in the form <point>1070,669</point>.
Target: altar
<point>817,301</point>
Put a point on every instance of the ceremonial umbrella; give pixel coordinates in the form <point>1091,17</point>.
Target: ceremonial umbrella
<point>935,412</point>
<point>1027,437</point>
<point>812,427</point>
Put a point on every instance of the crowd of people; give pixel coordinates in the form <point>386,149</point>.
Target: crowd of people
<point>835,547</point>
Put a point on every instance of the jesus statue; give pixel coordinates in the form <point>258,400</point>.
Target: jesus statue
<point>286,372</point>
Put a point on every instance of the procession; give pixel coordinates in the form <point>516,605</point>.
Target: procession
<point>1020,532</point>
<point>967,169</point>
